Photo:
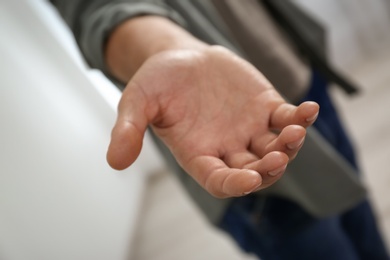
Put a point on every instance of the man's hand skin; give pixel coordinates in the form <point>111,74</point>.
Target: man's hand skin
<point>223,121</point>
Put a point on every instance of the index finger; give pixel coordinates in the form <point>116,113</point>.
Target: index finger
<point>286,114</point>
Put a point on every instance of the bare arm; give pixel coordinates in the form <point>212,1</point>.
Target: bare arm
<point>138,39</point>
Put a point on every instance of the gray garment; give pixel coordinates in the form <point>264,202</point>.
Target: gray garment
<point>91,21</point>
<point>255,31</point>
<point>319,179</point>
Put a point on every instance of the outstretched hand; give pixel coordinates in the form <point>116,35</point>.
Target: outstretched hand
<point>222,120</point>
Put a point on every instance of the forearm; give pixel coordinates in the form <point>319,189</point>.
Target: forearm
<point>137,39</point>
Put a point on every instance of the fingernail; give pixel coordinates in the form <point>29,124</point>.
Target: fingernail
<point>254,189</point>
<point>296,144</point>
<point>312,118</point>
<point>277,171</point>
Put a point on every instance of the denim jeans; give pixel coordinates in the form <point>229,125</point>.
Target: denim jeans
<point>276,228</point>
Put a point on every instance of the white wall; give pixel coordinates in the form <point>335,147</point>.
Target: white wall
<point>58,197</point>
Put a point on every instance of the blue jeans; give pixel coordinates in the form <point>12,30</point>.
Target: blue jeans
<point>276,228</point>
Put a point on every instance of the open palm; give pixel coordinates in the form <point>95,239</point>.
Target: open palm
<point>222,120</point>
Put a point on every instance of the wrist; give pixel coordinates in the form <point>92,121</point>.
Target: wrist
<point>138,39</point>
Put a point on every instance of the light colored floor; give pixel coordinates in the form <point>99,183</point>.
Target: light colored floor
<point>171,228</point>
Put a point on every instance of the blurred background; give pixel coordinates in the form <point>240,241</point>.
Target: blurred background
<point>159,221</point>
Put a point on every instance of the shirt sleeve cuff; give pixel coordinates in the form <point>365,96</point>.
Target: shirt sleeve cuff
<point>104,20</point>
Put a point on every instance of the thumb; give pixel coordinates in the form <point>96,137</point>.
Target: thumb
<point>129,130</point>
